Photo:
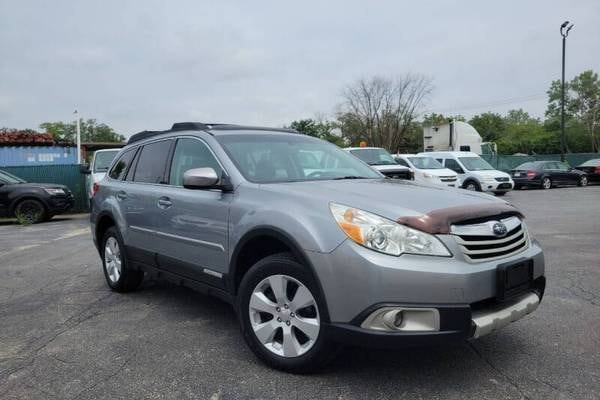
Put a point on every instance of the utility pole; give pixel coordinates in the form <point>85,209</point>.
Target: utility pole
<point>78,138</point>
<point>563,140</point>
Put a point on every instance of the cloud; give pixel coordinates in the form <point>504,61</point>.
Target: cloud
<point>145,65</point>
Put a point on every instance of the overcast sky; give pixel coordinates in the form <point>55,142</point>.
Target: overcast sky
<point>145,64</point>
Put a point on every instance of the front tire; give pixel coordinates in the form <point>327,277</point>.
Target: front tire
<point>472,186</point>
<point>281,313</point>
<point>30,211</point>
<point>119,276</point>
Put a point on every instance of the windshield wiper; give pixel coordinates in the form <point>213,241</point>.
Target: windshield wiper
<point>349,177</point>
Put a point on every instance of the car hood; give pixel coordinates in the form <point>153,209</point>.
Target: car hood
<point>33,185</point>
<point>493,173</point>
<point>391,167</point>
<point>390,198</point>
<point>439,172</point>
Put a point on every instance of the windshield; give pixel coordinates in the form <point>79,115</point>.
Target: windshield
<point>10,179</point>
<point>103,160</point>
<point>374,156</point>
<point>475,164</point>
<point>425,163</point>
<point>268,158</point>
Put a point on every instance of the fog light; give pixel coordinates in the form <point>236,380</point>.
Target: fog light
<point>403,319</point>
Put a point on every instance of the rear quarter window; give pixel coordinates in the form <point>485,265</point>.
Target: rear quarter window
<point>121,166</point>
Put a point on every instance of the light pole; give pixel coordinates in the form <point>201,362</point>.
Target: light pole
<point>564,33</point>
<point>78,138</point>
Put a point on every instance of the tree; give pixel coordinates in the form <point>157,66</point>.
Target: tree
<point>439,119</point>
<point>491,126</point>
<point>585,104</point>
<point>320,129</point>
<point>582,111</point>
<point>381,110</point>
<point>525,134</point>
<point>91,131</point>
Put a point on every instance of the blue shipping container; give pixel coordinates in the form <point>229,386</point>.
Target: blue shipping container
<point>37,155</point>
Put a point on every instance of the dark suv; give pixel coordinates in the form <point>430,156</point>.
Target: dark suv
<point>32,202</point>
<point>314,253</point>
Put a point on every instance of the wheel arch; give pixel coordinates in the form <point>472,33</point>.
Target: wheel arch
<point>281,241</point>
<point>27,196</point>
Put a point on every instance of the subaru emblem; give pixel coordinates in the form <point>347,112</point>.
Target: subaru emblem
<point>499,229</point>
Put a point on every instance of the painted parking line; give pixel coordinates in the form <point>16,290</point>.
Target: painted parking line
<point>68,235</point>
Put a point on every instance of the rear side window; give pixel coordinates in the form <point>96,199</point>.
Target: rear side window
<point>120,168</point>
<point>189,154</point>
<point>152,161</point>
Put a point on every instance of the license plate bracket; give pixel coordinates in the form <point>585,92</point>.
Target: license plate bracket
<point>513,279</point>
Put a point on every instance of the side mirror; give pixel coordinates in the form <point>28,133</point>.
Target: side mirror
<point>200,178</point>
<point>85,169</point>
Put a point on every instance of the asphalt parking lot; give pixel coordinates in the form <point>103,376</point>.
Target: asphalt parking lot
<point>64,335</point>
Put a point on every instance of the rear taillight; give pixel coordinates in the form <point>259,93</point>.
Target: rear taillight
<point>531,174</point>
<point>597,169</point>
<point>95,188</point>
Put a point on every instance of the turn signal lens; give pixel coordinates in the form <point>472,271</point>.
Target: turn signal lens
<point>95,188</point>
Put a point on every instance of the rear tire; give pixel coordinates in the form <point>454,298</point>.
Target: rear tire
<point>30,211</point>
<point>119,276</point>
<point>546,183</point>
<point>583,181</point>
<point>292,337</point>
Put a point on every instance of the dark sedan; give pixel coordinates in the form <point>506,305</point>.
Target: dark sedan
<point>32,202</point>
<point>547,174</point>
<point>592,169</point>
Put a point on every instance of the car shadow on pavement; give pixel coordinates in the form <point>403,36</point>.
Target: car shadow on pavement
<point>463,359</point>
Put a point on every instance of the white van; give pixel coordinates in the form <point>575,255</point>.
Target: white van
<point>474,173</point>
<point>101,160</point>
<point>427,170</point>
<point>381,160</point>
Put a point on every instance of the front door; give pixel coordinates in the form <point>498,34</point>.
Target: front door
<point>192,223</point>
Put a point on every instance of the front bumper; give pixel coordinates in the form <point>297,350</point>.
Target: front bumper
<point>495,186</point>
<point>356,281</point>
<point>457,323</point>
<point>60,204</point>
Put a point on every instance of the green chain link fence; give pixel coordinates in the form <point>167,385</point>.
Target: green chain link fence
<point>68,175</point>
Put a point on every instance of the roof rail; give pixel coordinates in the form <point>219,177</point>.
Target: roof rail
<point>189,126</point>
<point>143,135</point>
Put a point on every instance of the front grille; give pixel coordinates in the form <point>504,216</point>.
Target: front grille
<point>504,186</point>
<point>448,178</point>
<point>478,242</point>
<point>501,179</point>
<point>397,174</point>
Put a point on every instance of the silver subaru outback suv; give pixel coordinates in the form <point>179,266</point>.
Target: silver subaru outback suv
<point>311,246</point>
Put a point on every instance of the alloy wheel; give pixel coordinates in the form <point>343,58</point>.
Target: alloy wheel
<point>547,183</point>
<point>284,316</point>
<point>583,181</point>
<point>112,259</point>
<point>471,186</point>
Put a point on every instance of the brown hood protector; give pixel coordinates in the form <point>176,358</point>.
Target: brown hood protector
<point>439,221</point>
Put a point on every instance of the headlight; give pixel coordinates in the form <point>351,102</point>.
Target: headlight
<point>54,191</point>
<point>383,235</point>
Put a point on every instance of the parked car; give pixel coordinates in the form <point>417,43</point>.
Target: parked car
<point>547,174</point>
<point>382,161</point>
<point>592,169</point>
<point>309,257</point>
<point>474,173</point>
<point>98,168</point>
<point>32,202</point>
<point>427,170</point>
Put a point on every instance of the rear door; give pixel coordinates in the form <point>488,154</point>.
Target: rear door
<point>140,196</point>
<point>192,223</point>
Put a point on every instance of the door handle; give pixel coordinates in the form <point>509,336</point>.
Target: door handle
<point>121,195</point>
<point>164,203</point>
